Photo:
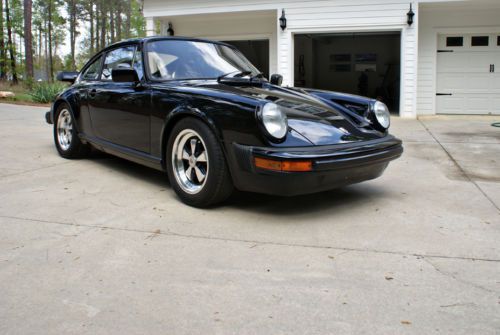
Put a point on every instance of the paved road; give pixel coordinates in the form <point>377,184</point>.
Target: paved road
<point>102,246</point>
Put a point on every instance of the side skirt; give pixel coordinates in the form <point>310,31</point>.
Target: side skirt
<point>124,152</point>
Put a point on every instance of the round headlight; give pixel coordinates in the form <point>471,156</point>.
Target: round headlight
<point>274,120</point>
<point>382,114</point>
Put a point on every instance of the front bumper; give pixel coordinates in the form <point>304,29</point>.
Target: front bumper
<point>333,166</point>
<point>48,117</point>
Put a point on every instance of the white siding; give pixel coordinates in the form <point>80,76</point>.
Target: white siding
<point>328,8</point>
<point>307,16</point>
<point>450,18</point>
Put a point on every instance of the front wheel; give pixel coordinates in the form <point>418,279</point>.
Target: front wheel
<point>196,165</point>
<point>66,138</point>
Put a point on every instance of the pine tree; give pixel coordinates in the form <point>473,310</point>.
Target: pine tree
<point>10,43</point>
<point>28,39</point>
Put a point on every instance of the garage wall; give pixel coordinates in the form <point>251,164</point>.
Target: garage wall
<point>314,16</point>
<point>445,19</point>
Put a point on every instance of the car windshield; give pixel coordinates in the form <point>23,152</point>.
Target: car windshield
<point>182,59</point>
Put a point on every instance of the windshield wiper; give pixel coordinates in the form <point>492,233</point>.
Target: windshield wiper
<point>236,74</point>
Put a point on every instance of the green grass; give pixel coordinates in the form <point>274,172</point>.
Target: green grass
<point>40,93</point>
<point>22,97</point>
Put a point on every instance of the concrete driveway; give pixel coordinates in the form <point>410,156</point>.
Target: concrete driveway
<point>102,246</point>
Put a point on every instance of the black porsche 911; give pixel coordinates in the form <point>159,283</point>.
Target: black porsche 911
<point>200,111</point>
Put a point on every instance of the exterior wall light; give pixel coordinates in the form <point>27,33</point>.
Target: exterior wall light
<point>170,30</point>
<point>410,16</point>
<point>283,20</point>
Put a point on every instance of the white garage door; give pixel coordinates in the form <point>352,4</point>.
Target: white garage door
<point>468,74</point>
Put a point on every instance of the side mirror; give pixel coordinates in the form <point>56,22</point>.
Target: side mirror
<point>124,76</point>
<point>67,76</point>
<point>276,79</point>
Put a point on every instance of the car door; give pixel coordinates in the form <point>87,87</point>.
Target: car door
<point>86,82</point>
<point>120,112</point>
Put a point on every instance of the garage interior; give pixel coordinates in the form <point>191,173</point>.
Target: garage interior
<point>366,64</point>
<point>257,52</point>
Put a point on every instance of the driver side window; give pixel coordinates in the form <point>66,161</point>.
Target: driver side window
<point>93,71</point>
<point>121,58</point>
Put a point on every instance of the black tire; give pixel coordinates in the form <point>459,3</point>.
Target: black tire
<point>218,185</point>
<point>74,148</point>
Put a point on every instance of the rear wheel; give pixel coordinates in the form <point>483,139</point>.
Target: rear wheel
<point>196,165</point>
<point>66,138</point>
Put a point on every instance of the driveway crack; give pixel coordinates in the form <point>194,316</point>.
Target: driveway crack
<point>34,170</point>
<point>254,243</point>
<point>452,276</point>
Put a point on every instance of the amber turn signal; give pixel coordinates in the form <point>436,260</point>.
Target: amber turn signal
<point>285,166</point>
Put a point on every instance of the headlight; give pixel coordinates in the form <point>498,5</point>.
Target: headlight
<point>382,114</point>
<point>274,120</point>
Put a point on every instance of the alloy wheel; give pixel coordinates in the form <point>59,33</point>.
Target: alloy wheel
<point>190,161</point>
<point>64,129</point>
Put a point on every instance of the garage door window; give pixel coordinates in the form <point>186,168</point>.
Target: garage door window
<point>455,41</point>
<point>480,41</point>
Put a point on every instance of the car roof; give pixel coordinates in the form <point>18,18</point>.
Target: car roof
<point>137,40</point>
<point>160,38</point>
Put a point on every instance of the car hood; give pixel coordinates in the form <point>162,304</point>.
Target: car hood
<point>314,116</point>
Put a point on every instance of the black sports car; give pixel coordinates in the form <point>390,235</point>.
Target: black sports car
<point>200,111</point>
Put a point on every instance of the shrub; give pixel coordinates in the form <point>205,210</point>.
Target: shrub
<point>46,92</point>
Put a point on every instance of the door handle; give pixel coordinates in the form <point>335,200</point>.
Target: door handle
<point>492,68</point>
<point>92,93</point>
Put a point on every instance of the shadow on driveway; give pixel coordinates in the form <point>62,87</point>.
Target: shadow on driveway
<point>342,198</point>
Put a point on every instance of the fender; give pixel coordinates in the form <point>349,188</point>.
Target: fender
<point>180,112</point>
<point>75,114</point>
<point>71,97</point>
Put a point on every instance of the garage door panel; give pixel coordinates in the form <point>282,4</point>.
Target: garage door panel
<point>496,105</point>
<point>451,81</point>
<point>479,81</point>
<point>464,62</point>
<point>479,104</point>
<point>466,83</point>
<point>495,83</point>
<point>462,82</point>
<point>450,104</point>
<point>468,104</point>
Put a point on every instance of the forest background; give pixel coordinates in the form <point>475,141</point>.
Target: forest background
<point>39,38</point>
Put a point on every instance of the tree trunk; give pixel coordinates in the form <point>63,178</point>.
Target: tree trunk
<point>103,24</point>
<point>128,14</point>
<point>97,25</point>
<point>3,70</point>
<point>91,19</point>
<point>46,51</point>
<point>39,46</point>
<point>119,20</point>
<point>72,32</point>
<point>28,39</point>
<point>10,44</point>
<point>51,61</point>
<point>112,22</point>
